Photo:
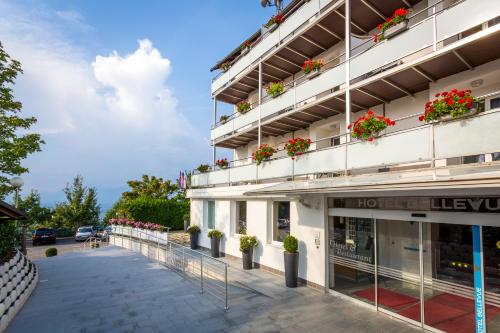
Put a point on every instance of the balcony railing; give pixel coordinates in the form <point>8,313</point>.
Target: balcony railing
<point>422,35</point>
<point>471,135</point>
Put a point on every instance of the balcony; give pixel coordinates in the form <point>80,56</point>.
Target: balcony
<point>432,48</point>
<point>421,145</point>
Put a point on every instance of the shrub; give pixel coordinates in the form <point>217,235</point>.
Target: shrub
<point>51,252</point>
<point>215,233</point>
<point>186,217</point>
<point>263,153</point>
<point>223,119</point>
<point>291,244</point>
<point>369,126</point>
<point>7,240</point>
<point>454,103</point>
<point>247,242</point>
<point>311,65</point>
<point>193,229</point>
<point>297,146</point>
<point>274,89</point>
<point>167,213</point>
<point>203,168</point>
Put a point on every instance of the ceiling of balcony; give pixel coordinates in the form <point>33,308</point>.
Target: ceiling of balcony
<point>406,79</point>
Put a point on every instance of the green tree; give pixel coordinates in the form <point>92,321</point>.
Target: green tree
<point>80,208</point>
<point>15,145</point>
<point>35,212</point>
<point>150,187</point>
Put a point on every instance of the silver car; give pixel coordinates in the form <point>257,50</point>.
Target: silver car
<point>84,233</point>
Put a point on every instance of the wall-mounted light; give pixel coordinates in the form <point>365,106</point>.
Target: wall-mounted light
<point>477,83</point>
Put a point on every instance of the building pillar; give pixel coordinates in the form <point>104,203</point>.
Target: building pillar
<point>260,104</point>
<point>347,77</point>
<point>214,123</point>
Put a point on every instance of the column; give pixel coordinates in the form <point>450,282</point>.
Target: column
<point>214,123</point>
<point>260,103</point>
<point>347,39</point>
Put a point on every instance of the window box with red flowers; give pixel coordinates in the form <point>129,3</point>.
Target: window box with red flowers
<point>274,89</point>
<point>393,25</point>
<point>370,126</point>
<point>264,153</point>
<point>297,146</point>
<point>243,107</point>
<point>312,68</point>
<point>222,163</point>
<point>225,66</point>
<point>450,105</point>
<point>223,119</point>
<point>245,47</point>
<point>274,22</point>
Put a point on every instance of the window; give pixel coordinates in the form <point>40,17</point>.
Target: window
<point>241,217</point>
<point>281,220</point>
<point>495,103</point>
<point>211,215</point>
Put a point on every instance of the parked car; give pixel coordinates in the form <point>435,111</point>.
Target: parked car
<point>84,233</point>
<point>43,236</point>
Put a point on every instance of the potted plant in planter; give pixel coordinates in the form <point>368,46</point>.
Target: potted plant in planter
<point>193,232</point>
<point>369,127</point>
<point>312,68</point>
<point>264,153</point>
<point>225,66</point>
<point>450,105</point>
<point>245,47</point>
<point>223,119</point>
<point>222,163</point>
<point>215,236</point>
<point>247,243</point>
<point>274,89</point>
<point>393,25</point>
<point>291,245</point>
<point>203,168</point>
<point>243,107</point>
<point>273,22</point>
<point>296,147</point>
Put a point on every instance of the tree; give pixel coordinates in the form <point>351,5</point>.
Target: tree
<point>151,187</point>
<point>36,214</point>
<point>14,147</point>
<point>80,208</point>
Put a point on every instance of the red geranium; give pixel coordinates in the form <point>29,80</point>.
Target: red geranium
<point>222,163</point>
<point>243,106</point>
<point>297,146</point>
<point>275,19</point>
<point>455,102</point>
<point>311,65</point>
<point>263,153</point>
<point>398,16</point>
<point>369,126</point>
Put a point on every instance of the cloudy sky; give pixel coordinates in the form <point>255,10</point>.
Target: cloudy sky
<point>120,88</point>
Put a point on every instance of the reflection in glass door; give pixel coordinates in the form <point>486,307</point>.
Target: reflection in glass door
<point>491,255</point>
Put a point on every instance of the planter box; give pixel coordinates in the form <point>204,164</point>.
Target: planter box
<point>271,28</point>
<point>312,74</point>
<point>245,51</point>
<point>448,117</point>
<point>396,29</point>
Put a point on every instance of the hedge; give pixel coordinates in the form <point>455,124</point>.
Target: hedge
<point>7,239</point>
<point>168,213</point>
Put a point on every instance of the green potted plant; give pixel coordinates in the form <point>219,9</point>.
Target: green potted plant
<point>222,163</point>
<point>312,68</point>
<point>369,127</point>
<point>203,168</point>
<point>243,107</point>
<point>215,236</point>
<point>225,66</point>
<point>450,105</point>
<point>245,47</point>
<point>273,22</point>
<point>297,146</point>
<point>291,245</point>
<point>223,119</point>
<point>274,89</point>
<point>193,232</point>
<point>393,25</point>
<point>247,243</point>
<point>264,153</point>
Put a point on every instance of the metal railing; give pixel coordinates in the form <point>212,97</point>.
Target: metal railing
<point>209,273</point>
<point>95,242</point>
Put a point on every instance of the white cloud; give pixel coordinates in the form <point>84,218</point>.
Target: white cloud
<point>108,117</point>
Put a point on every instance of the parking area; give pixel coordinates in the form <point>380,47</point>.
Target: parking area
<point>63,245</point>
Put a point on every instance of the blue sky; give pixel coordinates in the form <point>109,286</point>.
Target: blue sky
<point>120,88</point>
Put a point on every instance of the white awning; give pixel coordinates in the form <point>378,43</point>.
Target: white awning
<point>472,179</point>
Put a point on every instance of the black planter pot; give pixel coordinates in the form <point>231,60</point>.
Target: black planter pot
<point>247,257</point>
<point>291,269</point>
<point>214,245</point>
<point>194,240</point>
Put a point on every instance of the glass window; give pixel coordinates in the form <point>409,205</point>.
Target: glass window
<point>281,220</point>
<point>495,103</point>
<point>211,215</point>
<point>491,258</point>
<point>241,217</point>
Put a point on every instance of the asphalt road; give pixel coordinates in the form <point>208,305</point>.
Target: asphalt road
<point>63,245</point>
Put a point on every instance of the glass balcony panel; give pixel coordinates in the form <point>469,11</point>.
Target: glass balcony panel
<point>321,161</point>
<point>244,173</point>
<point>279,168</point>
<point>303,14</point>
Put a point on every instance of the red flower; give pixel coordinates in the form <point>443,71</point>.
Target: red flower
<point>370,139</point>
<point>421,118</point>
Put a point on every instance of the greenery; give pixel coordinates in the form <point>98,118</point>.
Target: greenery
<point>225,66</point>
<point>36,214</point>
<point>150,187</point>
<point>51,252</point>
<point>297,146</point>
<point>81,207</point>
<point>263,153</point>
<point>215,233</point>
<point>397,17</point>
<point>194,229</point>
<point>312,65</point>
<point>291,244</point>
<point>243,107</point>
<point>369,126</point>
<point>275,19</point>
<point>247,242</point>
<point>7,239</point>
<point>15,143</point>
<point>274,89</point>
<point>203,167</point>
<point>455,103</point>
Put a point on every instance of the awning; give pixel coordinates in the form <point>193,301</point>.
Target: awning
<point>8,212</point>
<point>473,178</point>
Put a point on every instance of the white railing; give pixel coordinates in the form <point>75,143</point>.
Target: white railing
<point>471,135</point>
<point>427,33</point>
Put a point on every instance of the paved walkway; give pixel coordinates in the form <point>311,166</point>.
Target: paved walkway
<point>115,290</point>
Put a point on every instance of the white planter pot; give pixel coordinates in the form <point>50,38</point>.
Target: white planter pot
<point>396,29</point>
<point>312,74</point>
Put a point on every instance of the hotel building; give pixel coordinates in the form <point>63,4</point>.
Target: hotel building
<point>407,224</point>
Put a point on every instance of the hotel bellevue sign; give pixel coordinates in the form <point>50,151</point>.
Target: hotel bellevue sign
<point>458,204</point>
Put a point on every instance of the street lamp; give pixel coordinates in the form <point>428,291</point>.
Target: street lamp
<point>17,183</point>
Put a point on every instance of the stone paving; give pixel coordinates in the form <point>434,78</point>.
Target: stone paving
<point>115,290</point>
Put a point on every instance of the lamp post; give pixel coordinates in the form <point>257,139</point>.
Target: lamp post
<point>17,183</point>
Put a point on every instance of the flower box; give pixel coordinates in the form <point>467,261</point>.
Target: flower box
<point>244,51</point>
<point>312,74</point>
<point>396,29</point>
<point>450,105</point>
<point>370,126</point>
<point>272,27</point>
